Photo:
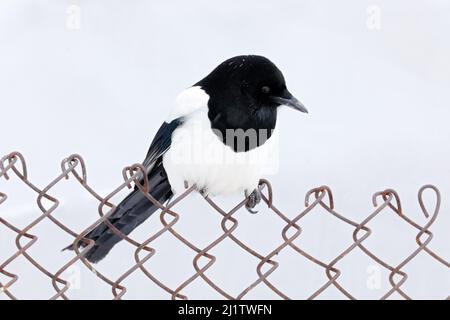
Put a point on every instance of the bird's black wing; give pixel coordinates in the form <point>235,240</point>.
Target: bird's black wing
<point>161,143</point>
<point>136,208</point>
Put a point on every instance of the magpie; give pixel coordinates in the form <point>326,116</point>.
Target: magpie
<point>217,137</point>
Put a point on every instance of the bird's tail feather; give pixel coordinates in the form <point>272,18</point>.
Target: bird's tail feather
<point>129,214</point>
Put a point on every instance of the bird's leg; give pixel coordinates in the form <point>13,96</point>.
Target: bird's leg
<point>252,200</point>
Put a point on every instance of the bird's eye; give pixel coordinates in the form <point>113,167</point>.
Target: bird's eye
<point>265,89</point>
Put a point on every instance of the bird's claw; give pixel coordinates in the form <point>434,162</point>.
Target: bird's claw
<point>251,211</point>
<point>252,200</point>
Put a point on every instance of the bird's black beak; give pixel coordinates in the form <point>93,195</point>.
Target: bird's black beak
<point>287,99</point>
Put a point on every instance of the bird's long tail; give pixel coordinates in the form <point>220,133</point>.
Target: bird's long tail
<point>129,214</point>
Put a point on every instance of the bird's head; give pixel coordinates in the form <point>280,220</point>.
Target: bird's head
<point>250,82</point>
<point>245,93</point>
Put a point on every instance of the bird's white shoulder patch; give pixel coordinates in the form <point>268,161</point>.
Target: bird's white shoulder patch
<point>188,102</point>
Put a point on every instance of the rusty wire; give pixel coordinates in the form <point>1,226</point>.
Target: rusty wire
<point>387,200</point>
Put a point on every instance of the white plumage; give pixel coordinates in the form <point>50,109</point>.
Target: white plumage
<point>199,157</point>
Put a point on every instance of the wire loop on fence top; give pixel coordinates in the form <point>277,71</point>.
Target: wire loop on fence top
<point>204,258</point>
<point>12,158</point>
<point>74,160</point>
<point>319,193</point>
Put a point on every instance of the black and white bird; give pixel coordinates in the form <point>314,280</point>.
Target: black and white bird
<point>218,138</point>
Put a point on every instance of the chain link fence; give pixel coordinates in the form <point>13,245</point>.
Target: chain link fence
<point>321,197</point>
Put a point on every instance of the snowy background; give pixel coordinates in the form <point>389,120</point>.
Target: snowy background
<point>98,77</point>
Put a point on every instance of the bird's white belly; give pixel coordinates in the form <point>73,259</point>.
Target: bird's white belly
<point>198,157</point>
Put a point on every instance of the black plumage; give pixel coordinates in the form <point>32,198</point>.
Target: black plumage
<point>136,207</point>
